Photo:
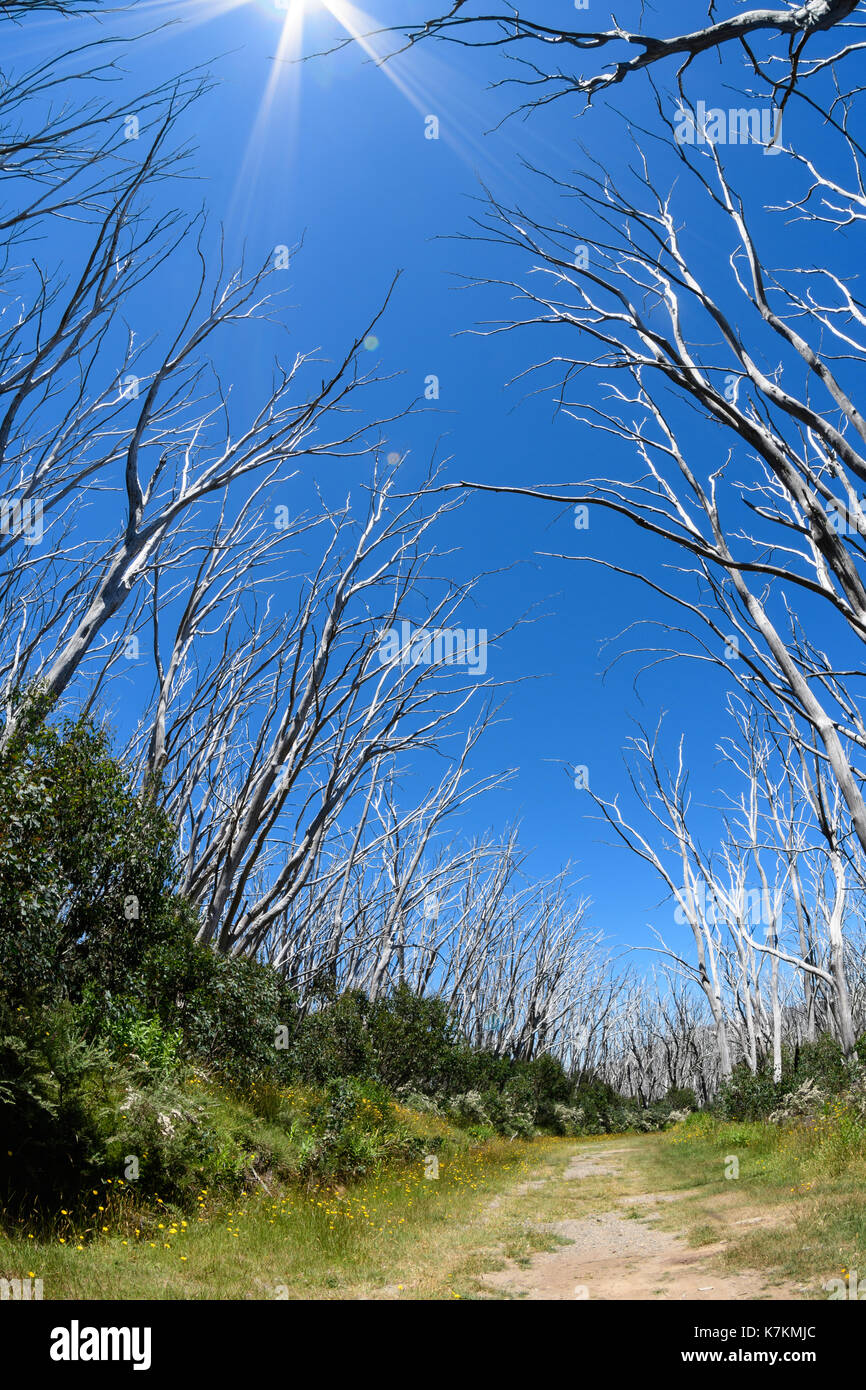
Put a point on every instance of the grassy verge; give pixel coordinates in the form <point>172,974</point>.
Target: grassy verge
<point>791,1199</point>
<point>398,1233</point>
<point>782,1199</point>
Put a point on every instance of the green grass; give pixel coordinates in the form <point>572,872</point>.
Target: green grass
<point>798,1205</point>
<point>263,1191</point>
<point>796,1208</point>
<point>397,1233</point>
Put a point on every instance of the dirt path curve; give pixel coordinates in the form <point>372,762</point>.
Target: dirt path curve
<point>612,1256</point>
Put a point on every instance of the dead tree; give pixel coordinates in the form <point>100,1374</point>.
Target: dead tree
<point>89,408</point>
<point>550,70</point>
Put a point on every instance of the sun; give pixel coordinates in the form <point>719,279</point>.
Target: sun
<point>353,21</point>
<point>289,18</point>
<point>305,31</point>
<point>303,23</point>
<point>300,29</point>
<point>289,11</point>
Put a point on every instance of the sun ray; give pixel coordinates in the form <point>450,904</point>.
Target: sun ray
<point>359,26</point>
<point>282,89</point>
<point>289,50</point>
<point>462,115</point>
<point>191,12</point>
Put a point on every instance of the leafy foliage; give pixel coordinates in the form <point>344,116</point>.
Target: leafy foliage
<point>122,1037</point>
<point>748,1096</point>
<point>85,864</point>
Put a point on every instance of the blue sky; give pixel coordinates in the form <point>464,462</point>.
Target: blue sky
<point>338,154</point>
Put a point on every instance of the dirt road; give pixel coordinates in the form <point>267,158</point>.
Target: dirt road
<point>621,1253</point>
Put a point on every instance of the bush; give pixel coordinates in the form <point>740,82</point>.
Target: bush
<point>228,1010</point>
<point>333,1041</point>
<point>821,1062</point>
<point>149,1042</point>
<point>569,1120</point>
<point>177,1147</point>
<point>748,1097</point>
<point>680,1098</point>
<point>469,1108</point>
<point>804,1101</point>
<point>51,1082</point>
<point>86,866</point>
<point>603,1109</point>
<point>509,1113</point>
<point>403,1040</point>
<point>354,1128</point>
<point>414,1039</point>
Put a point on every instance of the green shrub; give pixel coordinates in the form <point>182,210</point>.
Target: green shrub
<point>749,1097</point>
<point>228,1010</point>
<point>178,1142</point>
<point>510,1112</point>
<point>538,1087</point>
<point>333,1041</point>
<point>353,1128</point>
<point>680,1098</point>
<point>821,1062</point>
<point>86,865</point>
<point>755,1097</point>
<point>469,1108</point>
<point>414,1039</point>
<point>150,1042</point>
<point>52,1080</point>
<point>602,1107</point>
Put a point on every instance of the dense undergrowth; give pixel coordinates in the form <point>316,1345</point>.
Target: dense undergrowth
<point>135,1059</point>
<point>133,1056</point>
